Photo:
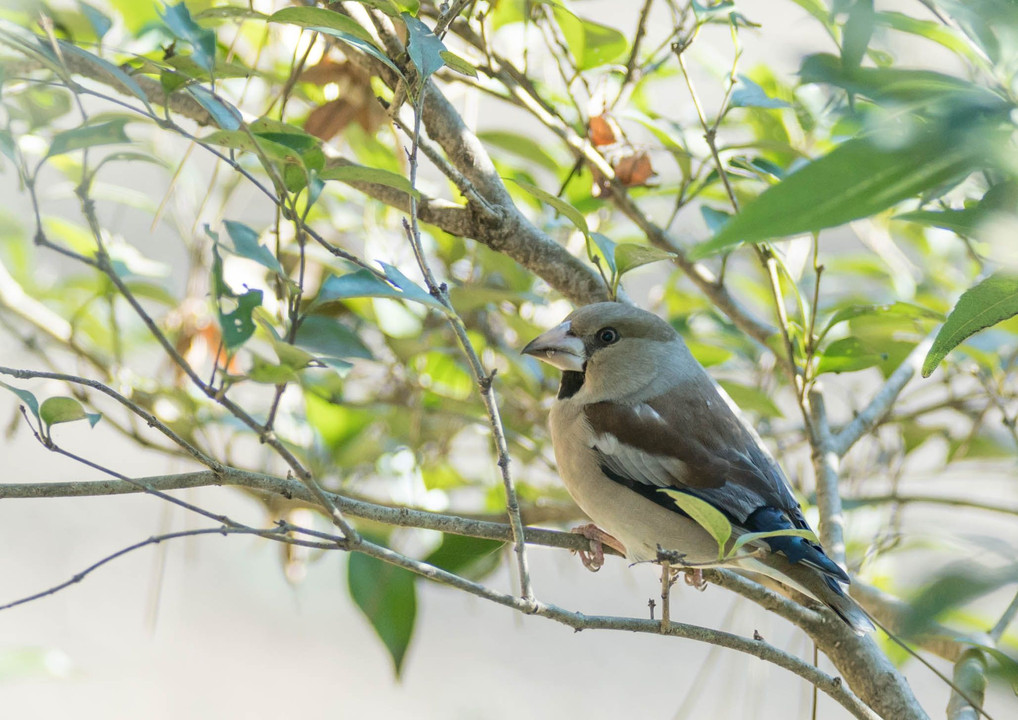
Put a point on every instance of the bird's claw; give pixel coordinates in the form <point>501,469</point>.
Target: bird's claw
<point>593,559</point>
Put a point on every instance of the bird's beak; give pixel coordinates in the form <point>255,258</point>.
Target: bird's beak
<point>559,347</point>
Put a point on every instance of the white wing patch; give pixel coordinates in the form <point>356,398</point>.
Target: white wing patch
<point>630,462</point>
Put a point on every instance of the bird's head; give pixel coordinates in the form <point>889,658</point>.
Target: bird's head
<point>619,348</point>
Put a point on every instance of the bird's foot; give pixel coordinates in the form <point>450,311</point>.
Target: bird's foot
<point>593,559</point>
<point>694,577</point>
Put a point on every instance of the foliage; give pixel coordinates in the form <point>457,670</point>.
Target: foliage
<point>328,299</point>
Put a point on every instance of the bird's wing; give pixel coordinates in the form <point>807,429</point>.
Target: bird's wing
<point>689,439</point>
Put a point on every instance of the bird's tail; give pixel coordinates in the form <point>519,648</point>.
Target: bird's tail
<point>831,593</point>
<point>816,584</point>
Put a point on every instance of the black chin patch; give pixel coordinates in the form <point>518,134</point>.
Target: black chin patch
<point>572,381</point>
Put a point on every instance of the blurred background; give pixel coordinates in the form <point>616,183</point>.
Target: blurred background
<point>222,627</point>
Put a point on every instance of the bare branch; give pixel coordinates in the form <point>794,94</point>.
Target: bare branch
<point>882,402</point>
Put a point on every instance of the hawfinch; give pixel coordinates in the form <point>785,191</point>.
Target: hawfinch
<point>637,414</point>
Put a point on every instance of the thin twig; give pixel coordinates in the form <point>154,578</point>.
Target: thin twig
<point>483,379</point>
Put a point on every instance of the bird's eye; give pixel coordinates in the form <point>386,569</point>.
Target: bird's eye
<point>608,335</point>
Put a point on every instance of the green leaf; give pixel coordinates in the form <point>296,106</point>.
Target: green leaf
<point>932,30</point>
<point>106,69</point>
<point>898,309</point>
<point>202,41</point>
<point>57,410</point>
<point>859,178</point>
<point>848,355</point>
<point>230,12</point>
<point>629,256</point>
<point>320,20</point>
<point>923,88</point>
<point>376,176</point>
<point>751,398</point>
<point>387,596</point>
<point>988,303</point>
<point>748,94</point>
<point>223,113</point>
<point>709,517</point>
<point>952,589</point>
<point>110,132</point>
<point>753,537</point>
<point>454,61</point>
<point>234,311</point>
<point>591,44</point>
<point>410,289</point>
<point>571,213</point>
<point>240,140</point>
<point>606,246</point>
<point>521,145</point>
<point>472,558</point>
<point>364,283</point>
<point>26,397</point>
<point>423,47</point>
<point>333,27</point>
<point>100,23</point>
<point>327,337</point>
<point>245,244</point>
<point>393,8</point>
<point>857,33</point>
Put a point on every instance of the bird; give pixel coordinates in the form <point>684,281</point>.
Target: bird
<point>636,417</point>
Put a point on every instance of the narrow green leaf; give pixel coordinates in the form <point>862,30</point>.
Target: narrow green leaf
<point>245,244</point>
<point>365,284</point>
<point>424,47</point>
<point>410,289</point>
<point>230,12</point>
<point>472,558</point>
<point>857,33</point>
<point>606,246</point>
<point>521,145</point>
<point>110,132</point>
<point>387,596</point>
<point>320,19</point>
<point>328,23</point>
<point>7,146</point>
<point>100,23</point>
<point>714,219</point>
<point>376,176</point>
<point>223,113</point>
<point>950,590</point>
<point>932,30</point>
<point>709,517</point>
<point>240,140</point>
<point>454,61</point>
<point>925,88</point>
<point>202,41</point>
<point>57,410</point>
<point>988,303</point>
<point>857,179</point>
<point>26,397</point>
<point>753,537</point>
<point>629,256</point>
<point>574,215</point>
<point>104,68</point>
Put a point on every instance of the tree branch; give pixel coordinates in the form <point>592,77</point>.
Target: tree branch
<point>881,403</point>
